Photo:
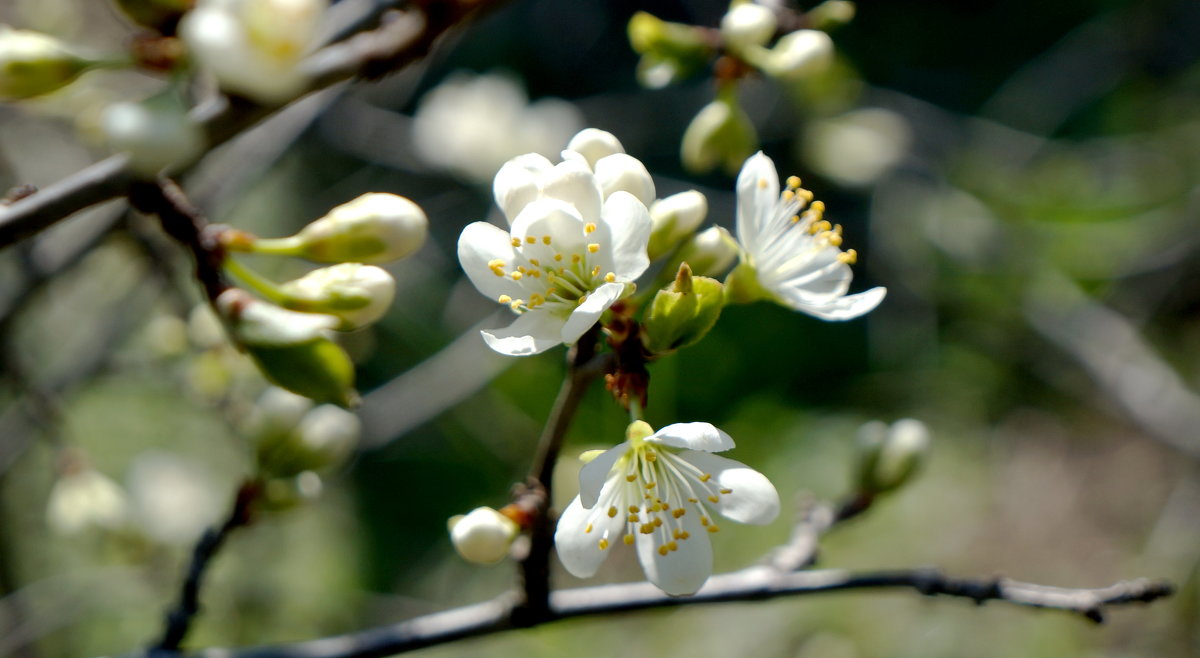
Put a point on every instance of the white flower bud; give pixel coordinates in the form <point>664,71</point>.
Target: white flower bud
<point>357,294</point>
<point>172,498</point>
<point>747,24</point>
<point>799,54</point>
<point>710,252</point>
<point>255,322</point>
<point>32,64</point>
<point>277,412</point>
<point>83,499</point>
<point>721,134</point>
<point>156,133</point>
<point>483,536</point>
<point>594,144</point>
<point>329,433</point>
<point>622,172</point>
<point>889,456</point>
<point>374,228</point>
<point>675,218</point>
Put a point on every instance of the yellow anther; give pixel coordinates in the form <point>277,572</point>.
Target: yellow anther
<point>762,183</point>
<point>603,544</point>
<point>587,529</point>
<point>551,290</point>
<point>516,304</point>
<point>634,518</point>
<point>630,478</point>
<point>704,520</point>
<point>537,274</point>
<point>558,257</point>
<point>714,499</point>
<point>522,270</point>
<point>531,239</point>
<point>596,271</point>
<point>545,239</point>
<point>656,507</point>
<point>634,509</point>
<point>822,226</point>
<point>593,247</point>
<point>678,512</point>
<point>610,277</point>
<point>807,195</point>
<point>713,528</point>
<point>504,299</point>
<point>516,242</point>
<point>663,550</point>
<point>534,262</point>
<point>705,477</point>
<point>581,301</point>
<point>516,276</point>
<point>848,257</point>
<point>788,195</point>
<point>793,182</point>
<point>693,500</point>
<point>496,266</point>
<point>651,485</point>
<point>833,238</point>
<point>536,300</point>
<point>575,258</point>
<point>837,228</point>
<point>646,528</point>
<point>628,539</point>
<point>795,219</point>
<point>612,512</point>
<point>726,491</point>
<point>677,533</point>
<point>589,228</point>
<point>818,207</point>
<point>672,546</point>
<point>651,456</point>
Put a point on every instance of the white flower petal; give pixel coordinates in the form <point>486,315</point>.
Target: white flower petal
<point>630,224</point>
<point>573,182</point>
<point>516,183</point>
<point>693,436</point>
<point>753,499</point>
<point>555,218</point>
<point>482,243</point>
<point>683,571</point>
<point>841,308</point>
<point>625,172</point>
<point>532,333</point>
<point>579,550</point>
<point>586,314</point>
<point>757,194</point>
<point>816,276</point>
<point>594,473</point>
<point>592,144</point>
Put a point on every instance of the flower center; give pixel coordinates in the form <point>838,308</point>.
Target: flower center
<point>797,211</point>
<point>557,279</point>
<point>658,490</point>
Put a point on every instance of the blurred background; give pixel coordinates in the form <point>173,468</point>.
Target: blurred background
<point>1023,177</point>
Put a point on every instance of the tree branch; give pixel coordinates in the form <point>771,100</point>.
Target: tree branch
<point>753,584</point>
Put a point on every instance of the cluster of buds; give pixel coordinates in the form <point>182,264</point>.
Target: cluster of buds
<point>752,37</point>
<point>289,333</point>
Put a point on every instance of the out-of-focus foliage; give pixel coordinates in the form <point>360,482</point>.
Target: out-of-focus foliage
<point>1023,178</point>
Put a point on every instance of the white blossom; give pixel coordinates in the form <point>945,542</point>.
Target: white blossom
<point>483,536</point>
<point>657,491</point>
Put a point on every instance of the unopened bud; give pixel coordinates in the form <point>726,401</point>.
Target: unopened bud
<point>709,252</point>
<point>797,55</point>
<point>374,228</point>
<point>85,498</point>
<point>721,135</point>
<point>670,51</point>
<point>32,64</point>
<point>291,348</point>
<point>747,24</point>
<point>483,536</point>
<point>156,133</point>
<point>675,218</point>
<point>888,457</point>
<point>594,144</point>
<point>682,313</point>
<point>323,438</point>
<point>621,172</point>
<point>357,294</point>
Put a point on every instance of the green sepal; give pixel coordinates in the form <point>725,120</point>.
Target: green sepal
<point>683,313</point>
<point>318,369</point>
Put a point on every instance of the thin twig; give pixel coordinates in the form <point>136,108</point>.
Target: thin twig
<point>183,222</point>
<point>753,584</point>
<point>179,619</point>
<point>535,566</point>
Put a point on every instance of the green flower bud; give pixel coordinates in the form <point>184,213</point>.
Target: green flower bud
<point>32,64</point>
<point>357,294</point>
<point>682,313</point>
<point>322,438</point>
<point>675,219</point>
<point>291,348</point>
<point>721,135</point>
<point>374,228</point>
<point>156,133</point>
<point>670,51</point>
<point>888,457</point>
<point>709,252</point>
<point>483,536</point>
<point>747,24</point>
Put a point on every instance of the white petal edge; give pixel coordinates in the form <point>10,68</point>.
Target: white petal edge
<point>573,182</point>
<point>630,223</point>
<point>478,245</point>
<point>753,500</point>
<point>837,310</point>
<point>586,314</point>
<point>620,171</point>
<point>693,436</point>
<point>680,572</point>
<point>594,474</point>
<point>532,333</point>
<point>579,550</point>
<point>515,184</point>
<point>757,194</point>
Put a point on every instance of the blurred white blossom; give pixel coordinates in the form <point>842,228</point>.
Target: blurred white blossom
<point>857,147</point>
<point>472,124</point>
<point>173,499</point>
<point>84,498</point>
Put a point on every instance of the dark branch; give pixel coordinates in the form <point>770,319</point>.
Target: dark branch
<point>179,619</point>
<point>183,222</point>
<point>753,584</point>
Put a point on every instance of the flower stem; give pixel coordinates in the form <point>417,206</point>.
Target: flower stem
<point>290,246</point>
<point>258,282</point>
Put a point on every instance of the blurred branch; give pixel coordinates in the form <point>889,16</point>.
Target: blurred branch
<point>179,619</point>
<point>402,37</point>
<point>816,519</point>
<point>183,222</point>
<point>752,584</point>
